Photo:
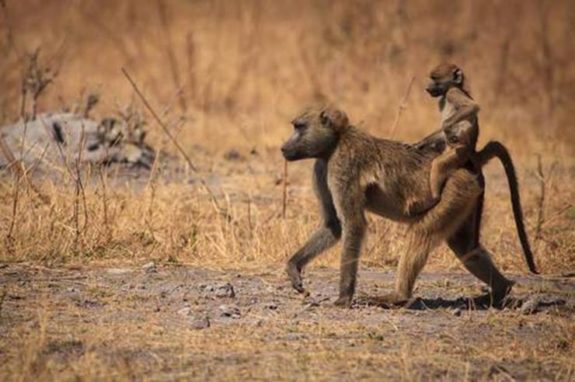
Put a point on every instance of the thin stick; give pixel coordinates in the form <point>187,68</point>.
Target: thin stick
<point>180,149</point>
<point>159,121</point>
<point>105,204</point>
<point>21,174</point>
<point>284,199</point>
<point>17,168</point>
<point>402,106</point>
<point>541,202</point>
<point>250,225</point>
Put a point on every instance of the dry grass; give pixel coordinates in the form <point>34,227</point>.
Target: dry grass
<point>235,73</point>
<point>243,70</point>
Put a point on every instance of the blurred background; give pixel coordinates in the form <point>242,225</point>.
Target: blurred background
<point>235,72</point>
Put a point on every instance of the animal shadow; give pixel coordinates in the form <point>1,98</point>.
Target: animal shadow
<point>528,305</point>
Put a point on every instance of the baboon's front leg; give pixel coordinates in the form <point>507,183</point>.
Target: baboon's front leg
<point>322,239</point>
<point>353,233</point>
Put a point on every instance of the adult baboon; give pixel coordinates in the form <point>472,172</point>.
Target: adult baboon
<point>354,172</point>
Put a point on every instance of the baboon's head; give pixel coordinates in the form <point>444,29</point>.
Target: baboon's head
<point>315,134</point>
<point>443,77</point>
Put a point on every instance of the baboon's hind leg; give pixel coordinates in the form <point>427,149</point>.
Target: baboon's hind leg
<point>476,259</point>
<point>410,265</point>
<point>459,196</point>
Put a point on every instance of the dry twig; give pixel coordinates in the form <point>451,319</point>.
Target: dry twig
<point>402,106</point>
<point>176,144</point>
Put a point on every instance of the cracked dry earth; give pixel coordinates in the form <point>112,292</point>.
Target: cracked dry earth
<point>181,323</point>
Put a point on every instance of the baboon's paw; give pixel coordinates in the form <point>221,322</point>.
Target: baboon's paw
<point>494,299</point>
<point>343,302</point>
<point>295,278</point>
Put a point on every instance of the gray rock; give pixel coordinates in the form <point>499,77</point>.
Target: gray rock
<point>530,305</point>
<point>54,137</point>
<point>221,290</point>
<point>230,311</point>
<point>200,323</point>
<point>150,267</point>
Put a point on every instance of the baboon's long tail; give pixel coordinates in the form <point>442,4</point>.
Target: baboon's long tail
<point>496,149</point>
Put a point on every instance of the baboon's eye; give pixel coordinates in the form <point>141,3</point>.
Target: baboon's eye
<point>299,125</point>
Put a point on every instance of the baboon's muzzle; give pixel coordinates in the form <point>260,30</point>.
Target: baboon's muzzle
<point>434,90</point>
<point>289,153</point>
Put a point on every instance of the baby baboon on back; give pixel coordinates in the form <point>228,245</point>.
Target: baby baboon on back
<point>456,142</point>
<point>354,172</point>
<point>459,127</point>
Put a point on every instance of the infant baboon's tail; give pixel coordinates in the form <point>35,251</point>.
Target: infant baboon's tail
<point>496,149</point>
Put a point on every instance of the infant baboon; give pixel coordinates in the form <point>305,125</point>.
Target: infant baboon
<point>354,172</point>
<point>456,141</point>
<point>459,127</point>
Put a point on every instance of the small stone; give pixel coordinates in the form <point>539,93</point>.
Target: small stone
<point>230,311</point>
<point>200,323</point>
<point>221,290</point>
<point>225,290</point>
<point>233,155</point>
<point>530,305</point>
<point>150,267</point>
<point>294,336</point>
<point>118,271</point>
<point>456,312</point>
<point>185,311</point>
<point>271,305</point>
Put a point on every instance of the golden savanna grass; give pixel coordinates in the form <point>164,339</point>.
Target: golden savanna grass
<point>229,76</point>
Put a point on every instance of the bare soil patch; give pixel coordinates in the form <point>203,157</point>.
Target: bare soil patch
<point>178,322</point>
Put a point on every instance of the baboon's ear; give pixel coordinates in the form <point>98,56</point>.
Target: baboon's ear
<point>323,118</point>
<point>333,118</point>
<point>458,76</point>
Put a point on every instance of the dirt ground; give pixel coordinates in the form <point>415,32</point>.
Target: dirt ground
<point>175,323</point>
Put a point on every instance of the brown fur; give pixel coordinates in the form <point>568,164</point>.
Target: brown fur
<point>355,172</point>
